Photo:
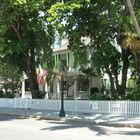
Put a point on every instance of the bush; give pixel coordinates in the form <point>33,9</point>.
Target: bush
<point>94,93</point>
<point>1,93</point>
<point>6,95</point>
<point>42,94</point>
<point>94,90</point>
<point>95,96</point>
<point>135,94</point>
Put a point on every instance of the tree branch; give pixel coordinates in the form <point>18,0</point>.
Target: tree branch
<point>16,31</point>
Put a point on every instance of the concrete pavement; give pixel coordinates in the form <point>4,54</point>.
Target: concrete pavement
<point>14,128</point>
<point>105,120</point>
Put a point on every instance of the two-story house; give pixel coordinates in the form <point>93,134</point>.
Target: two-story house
<point>77,84</point>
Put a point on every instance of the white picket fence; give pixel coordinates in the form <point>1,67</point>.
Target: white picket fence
<point>127,108</point>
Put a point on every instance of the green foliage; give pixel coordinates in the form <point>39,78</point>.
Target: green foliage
<point>6,95</point>
<point>95,97</point>
<point>9,71</point>
<point>42,94</point>
<point>131,83</point>
<point>75,19</point>
<point>25,34</point>
<point>10,77</point>
<point>26,23</point>
<point>102,22</point>
<point>107,57</point>
<point>135,94</point>
<point>94,94</point>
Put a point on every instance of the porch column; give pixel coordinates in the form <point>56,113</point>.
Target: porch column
<point>46,90</point>
<point>57,90</point>
<point>75,89</point>
<point>23,89</point>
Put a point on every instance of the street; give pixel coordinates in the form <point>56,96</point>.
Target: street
<point>12,128</point>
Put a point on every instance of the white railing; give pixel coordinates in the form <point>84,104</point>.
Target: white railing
<point>124,108</point>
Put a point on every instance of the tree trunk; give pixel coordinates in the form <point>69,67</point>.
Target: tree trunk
<point>137,57</point>
<point>117,83</point>
<point>35,87</point>
<point>31,69</point>
<point>13,87</point>
<point>112,86</point>
<point>31,73</point>
<point>134,19</point>
<point>126,63</point>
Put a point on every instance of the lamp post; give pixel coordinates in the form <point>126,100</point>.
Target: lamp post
<point>62,112</point>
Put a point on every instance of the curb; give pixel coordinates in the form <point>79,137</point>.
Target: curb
<point>119,125</point>
<point>106,123</point>
<point>33,116</point>
<point>68,120</point>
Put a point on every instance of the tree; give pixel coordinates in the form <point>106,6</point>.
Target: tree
<point>24,35</point>
<point>131,41</point>
<point>101,21</point>
<point>107,60</point>
<point>129,34</point>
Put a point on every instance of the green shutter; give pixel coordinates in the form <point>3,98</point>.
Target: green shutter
<point>68,58</point>
<point>55,60</point>
<point>58,60</point>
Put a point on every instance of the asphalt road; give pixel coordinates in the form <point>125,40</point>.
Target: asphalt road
<point>12,128</point>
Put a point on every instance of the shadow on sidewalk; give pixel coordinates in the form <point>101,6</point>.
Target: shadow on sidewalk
<point>9,117</point>
<point>68,125</point>
<point>99,130</point>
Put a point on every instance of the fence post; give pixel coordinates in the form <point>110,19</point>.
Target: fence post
<point>14,103</point>
<point>126,102</point>
<point>139,108</point>
<point>46,105</point>
<point>26,107</point>
<point>76,105</point>
<point>109,108</point>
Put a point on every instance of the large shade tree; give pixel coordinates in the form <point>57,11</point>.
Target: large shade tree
<point>25,35</point>
<point>102,22</point>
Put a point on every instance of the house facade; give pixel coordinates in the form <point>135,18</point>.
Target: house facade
<point>77,85</point>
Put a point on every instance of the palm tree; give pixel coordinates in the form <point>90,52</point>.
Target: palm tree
<point>132,41</point>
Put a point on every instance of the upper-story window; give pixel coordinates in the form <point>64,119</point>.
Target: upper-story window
<point>57,42</point>
<point>60,42</point>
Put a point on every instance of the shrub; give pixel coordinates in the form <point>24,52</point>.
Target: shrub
<point>42,94</point>
<point>135,94</point>
<point>7,95</point>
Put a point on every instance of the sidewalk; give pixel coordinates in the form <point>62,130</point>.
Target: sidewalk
<point>105,120</point>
